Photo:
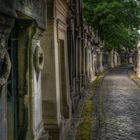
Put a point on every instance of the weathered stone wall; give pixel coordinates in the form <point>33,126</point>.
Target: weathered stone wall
<point>6,23</point>
<point>32,17</point>
<point>55,78</point>
<point>8,7</point>
<point>76,51</point>
<point>52,74</point>
<point>138,60</point>
<point>34,9</point>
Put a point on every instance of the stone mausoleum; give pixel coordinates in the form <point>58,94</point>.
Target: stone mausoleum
<point>48,57</point>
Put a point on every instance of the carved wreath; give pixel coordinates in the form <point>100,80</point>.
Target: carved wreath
<point>38,59</point>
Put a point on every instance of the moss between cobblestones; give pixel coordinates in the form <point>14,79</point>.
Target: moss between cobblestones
<point>84,129</point>
<point>85,126</point>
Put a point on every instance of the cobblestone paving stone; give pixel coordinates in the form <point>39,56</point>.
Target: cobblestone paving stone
<point>119,107</point>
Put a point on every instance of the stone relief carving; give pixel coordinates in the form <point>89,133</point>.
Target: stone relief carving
<point>38,58</point>
<point>7,7</point>
<point>5,63</point>
<point>35,6</point>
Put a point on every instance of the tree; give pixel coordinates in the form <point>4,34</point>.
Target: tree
<point>116,21</point>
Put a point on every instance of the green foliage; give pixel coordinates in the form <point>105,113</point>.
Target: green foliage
<point>85,126</point>
<point>116,21</point>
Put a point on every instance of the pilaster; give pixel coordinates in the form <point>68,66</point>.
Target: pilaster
<point>112,58</point>
<point>138,62</point>
<point>38,63</point>
<point>6,24</point>
<point>101,61</point>
<point>115,58</point>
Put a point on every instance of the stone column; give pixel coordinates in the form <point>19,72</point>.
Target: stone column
<point>135,60</point>
<point>95,61</point>
<point>50,87</point>
<point>84,73</point>
<point>92,67</point>
<point>87,62</point>
<point>55,85</point>
<point>5,67</point>
<point>85,65</point>
<point>119,59</point>
<point>38,64</point>
<point>101,61</point>
<point>98,61</point>
<point>6,24</point>
<point>130,58</point>
<point>112,58</point>
<point>107,60</point>
<point>138,62</point>
<point>122,58</point>
<point>115,58</point>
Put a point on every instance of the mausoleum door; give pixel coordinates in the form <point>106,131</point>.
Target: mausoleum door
<point>18,105</point>
<point>62,64</point>
<point>12,90</point>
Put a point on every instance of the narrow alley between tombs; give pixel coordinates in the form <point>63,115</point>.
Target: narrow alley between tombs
<point>118,107</point>
<point>54,55</point>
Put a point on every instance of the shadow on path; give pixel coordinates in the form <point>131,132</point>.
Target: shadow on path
<point>117,110</point>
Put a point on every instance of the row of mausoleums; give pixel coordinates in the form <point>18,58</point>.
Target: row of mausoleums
<point>48,56</point>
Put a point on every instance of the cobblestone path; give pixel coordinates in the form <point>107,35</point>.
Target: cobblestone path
<point>119,107</point>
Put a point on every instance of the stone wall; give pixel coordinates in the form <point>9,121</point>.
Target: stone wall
<point>8,7</point>
<point>55,78</point>
<point>76,51</point>
<point>6,23</point>
<point>54,56</point>
<point>30,16</point>
<point>33,9</point>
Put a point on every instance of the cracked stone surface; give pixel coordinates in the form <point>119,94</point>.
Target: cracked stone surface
<point>118,107</point>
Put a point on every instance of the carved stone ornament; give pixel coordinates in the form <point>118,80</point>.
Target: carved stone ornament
<point>5,63</point>
<point>38,58</point>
